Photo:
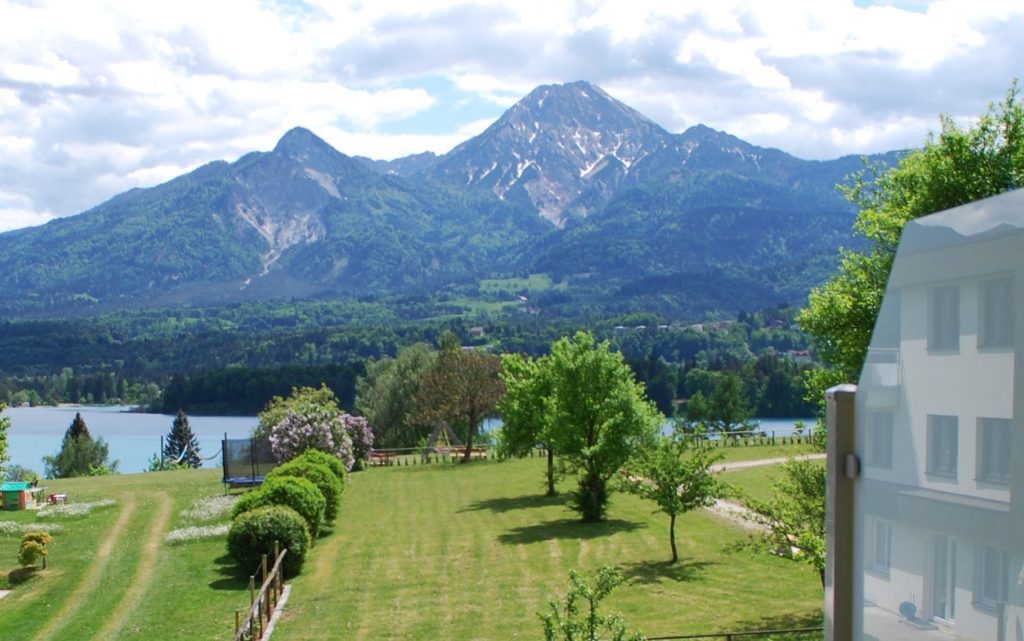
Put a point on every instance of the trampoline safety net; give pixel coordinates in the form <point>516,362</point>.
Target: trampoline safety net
<point>246,461</point>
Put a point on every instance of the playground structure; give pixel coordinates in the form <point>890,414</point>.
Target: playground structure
<point>246,461</point>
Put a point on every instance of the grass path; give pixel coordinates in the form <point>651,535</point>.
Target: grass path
<point>90,582</point>
<point>143,577</point>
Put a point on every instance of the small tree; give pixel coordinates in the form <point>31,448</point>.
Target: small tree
<point>461,387</point>
<point>567,623</point>
<point>80,454</point>
<point>725,410</point>
<point>5,424</point>
<point>34,547</point>
<point>676,476</point>
<point>181,440</point>
<point>794,519</point>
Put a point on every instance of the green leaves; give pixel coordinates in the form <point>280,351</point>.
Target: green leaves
<point>580,618</point>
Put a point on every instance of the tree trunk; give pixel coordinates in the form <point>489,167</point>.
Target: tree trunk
<point>469,438</point>
<point>551,472</point>
<point>821,575</point>
<point>672,538</point>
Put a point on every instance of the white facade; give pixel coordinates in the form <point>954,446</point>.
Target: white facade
<point>939,415</point>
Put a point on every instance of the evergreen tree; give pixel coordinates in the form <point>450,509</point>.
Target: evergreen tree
<point>181,438</point>
<point>78,429</point>
<point>80,454</point>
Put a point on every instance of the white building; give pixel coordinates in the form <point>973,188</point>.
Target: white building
<point>940,504</point>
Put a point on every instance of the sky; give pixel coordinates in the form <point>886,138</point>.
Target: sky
<point>99,97</point>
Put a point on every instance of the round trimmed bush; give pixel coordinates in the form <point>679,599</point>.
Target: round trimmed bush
<point>253,533</point>
<point>323,458</point>
<point>321,476</point>
<point>297,493</point>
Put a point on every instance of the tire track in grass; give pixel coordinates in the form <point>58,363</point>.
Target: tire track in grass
<point>90,582</point>
<point>143,577</point>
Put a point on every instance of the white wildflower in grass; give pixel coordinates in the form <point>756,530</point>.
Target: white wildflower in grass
<point>196,532</point>
<point>73,509</point>
<point>10,527</point>
<point>209,508</point>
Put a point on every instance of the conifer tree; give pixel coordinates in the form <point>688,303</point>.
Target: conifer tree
<point>80,454</point>
<point>181,438</point>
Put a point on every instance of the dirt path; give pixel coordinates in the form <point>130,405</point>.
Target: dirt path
<point>740,514</point>
<point>739,465</point>
<point>90,582</point>
<point>143,574</point>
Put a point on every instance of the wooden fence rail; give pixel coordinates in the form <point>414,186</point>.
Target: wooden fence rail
<point>729,636</point>
<point>263,603</point>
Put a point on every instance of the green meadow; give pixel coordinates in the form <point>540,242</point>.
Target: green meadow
<point>418,552</point>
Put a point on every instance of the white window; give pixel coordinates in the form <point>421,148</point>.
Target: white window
<point>881,549</point>
<point>879,440</point>
<point>994,443</point>
<point>991,576</point>
<point>995,314</point>
<point>942,446</point>
<point>944,318</point>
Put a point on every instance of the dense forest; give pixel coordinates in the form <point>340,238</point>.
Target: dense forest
<point>232,360</point>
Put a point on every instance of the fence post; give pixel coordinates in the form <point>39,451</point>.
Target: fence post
<point>238,621</point>
<point>842,620</point>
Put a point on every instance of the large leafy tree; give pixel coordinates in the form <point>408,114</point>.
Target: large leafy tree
<point>462,387</point>
<point>181,443</point>
<point>528,388</point>
<point>958,166</point>
<point>676,476</point>
<point>387,395</point>
<point>596,416</point>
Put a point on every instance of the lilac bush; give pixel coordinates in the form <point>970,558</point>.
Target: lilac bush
<point>359,431</point>
<point>312,428</point>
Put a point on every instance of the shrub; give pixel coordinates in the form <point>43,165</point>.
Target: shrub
<point>312,427</point>
<point>297,493</point>
<point>33,547</point>
<point>321,476</point>
<point>253,533</point>
<point>332,462</point>
<point>361,434</point>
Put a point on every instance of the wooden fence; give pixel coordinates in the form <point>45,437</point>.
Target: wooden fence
<point>262,604</point>
<point>730,636</point>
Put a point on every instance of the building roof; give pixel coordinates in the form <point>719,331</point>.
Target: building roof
<point>14,486</point>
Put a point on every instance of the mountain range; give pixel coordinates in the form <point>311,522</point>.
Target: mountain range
<point>569,183</point>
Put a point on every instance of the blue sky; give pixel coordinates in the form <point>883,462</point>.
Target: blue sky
<point>100,97</point>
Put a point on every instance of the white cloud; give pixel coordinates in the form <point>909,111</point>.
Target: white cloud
<point>101,97</point>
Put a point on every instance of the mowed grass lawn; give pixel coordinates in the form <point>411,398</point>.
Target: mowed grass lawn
<point>475,551</point>
<point>112,576</point>
<point>419,552</point>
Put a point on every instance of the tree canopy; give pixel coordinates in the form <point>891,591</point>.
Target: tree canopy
<point>5,424</point>
<point>527,388</point>
<point>387,395</point>
<point>676,476</point>
<point>595,415</point>
<point>461,387</point>
<point>958,166</point>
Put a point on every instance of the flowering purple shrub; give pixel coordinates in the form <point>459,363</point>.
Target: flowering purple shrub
<point>312,428</point>
<point>359,431</point>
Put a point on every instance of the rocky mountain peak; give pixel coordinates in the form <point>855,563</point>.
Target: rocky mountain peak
<point>553,147</point>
